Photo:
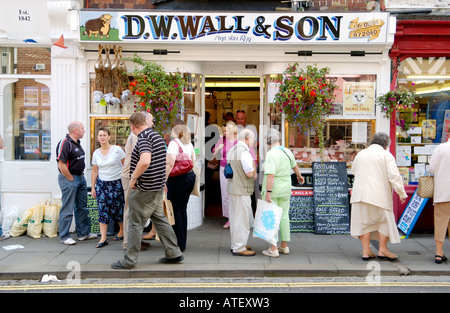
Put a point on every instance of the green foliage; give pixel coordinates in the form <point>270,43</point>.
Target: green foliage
<point>306,98</point>
<point>402,100</point>
<point>159,93</point>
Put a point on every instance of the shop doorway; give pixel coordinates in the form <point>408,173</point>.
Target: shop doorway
<point>235,98</point>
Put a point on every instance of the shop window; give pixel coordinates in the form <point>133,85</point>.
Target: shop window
<point>27,121</point>
<point>414,147</point>
<point>348,131</point>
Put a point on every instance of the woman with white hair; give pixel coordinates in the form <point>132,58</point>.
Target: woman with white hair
<point>376,174</point>
<point>277,185</point>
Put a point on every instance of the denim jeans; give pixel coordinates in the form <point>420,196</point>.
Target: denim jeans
<point>74,201</point>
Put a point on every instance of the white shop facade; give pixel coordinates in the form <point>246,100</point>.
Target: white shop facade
<point>232,61</point>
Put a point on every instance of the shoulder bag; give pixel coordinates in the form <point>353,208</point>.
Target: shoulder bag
<point>425,188</point>
<point>183,163</point>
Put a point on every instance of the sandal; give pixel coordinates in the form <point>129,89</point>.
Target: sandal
<point>117,238</point>
<point>387,256</point>
<point>369,257</point>
<point>102,244</point>
<point>443,258</point>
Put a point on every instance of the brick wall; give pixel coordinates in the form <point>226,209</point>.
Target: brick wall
<point>28,57</point>
<point>120,4</point>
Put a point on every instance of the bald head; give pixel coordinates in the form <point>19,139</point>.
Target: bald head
<point>76,130</point>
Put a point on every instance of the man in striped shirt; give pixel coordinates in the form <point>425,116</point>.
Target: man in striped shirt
<point>148,179</point>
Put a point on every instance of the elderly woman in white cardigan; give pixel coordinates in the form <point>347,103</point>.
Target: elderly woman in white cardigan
<point>376,174</point>
<point>440,168</point>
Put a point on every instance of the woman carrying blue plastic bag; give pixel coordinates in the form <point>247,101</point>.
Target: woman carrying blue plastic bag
<point>277,186</point>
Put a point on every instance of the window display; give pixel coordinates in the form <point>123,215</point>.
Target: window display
<point>415,146</point>
<point>27,121</point>
<point>348,130</point>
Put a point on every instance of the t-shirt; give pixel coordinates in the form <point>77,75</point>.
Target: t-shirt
<point>72,154</point>
<point>154,177</point>
<point>279,162</point>
<point>174,149</point>
<point>110,165</point>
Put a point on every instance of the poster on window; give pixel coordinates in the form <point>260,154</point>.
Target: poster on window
<point>31,143</point>
<point>359,99</point>
<point>31,120</point>
<point>45,96</point>
<point>46,144</point>
<point>30,96</point>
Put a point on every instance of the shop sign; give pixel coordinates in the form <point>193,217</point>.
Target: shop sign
<point>237,28</point>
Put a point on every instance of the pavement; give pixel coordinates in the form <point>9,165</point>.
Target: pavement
<point>208,255</point>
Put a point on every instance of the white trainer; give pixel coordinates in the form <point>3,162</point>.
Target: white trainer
<point>69,241</point>
<point>283,250</point>
<point>87,237</point>
<point>270,253</point>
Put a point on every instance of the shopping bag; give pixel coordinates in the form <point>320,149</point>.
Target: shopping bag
<point>19,226</point>
<point>168,210</point>
<point>34,227</point>
<point>267,221</point>
<point>196,189</point>
<point>425,188</point>
<point>51,219</point>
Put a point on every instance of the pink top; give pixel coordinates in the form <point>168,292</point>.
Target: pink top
<point>227,146</point>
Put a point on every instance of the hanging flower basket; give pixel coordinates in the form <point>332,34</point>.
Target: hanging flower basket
<point>306,98</point>
<point>402,100</point>
<point>158,92</point>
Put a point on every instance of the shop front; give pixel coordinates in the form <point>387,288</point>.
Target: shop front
<point>231,62</point>
<point>420,58</point>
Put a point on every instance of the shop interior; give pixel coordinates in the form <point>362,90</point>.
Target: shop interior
<point>224,97</point>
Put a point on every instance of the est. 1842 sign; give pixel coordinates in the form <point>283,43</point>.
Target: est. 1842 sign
<point>240,28</point>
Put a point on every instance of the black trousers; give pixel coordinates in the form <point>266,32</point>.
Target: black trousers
<point>179,189</point>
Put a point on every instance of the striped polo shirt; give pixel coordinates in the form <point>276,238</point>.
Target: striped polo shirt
<point>154,177</point>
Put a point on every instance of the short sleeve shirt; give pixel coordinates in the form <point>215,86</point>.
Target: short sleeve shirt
<point>110,165</point>
<point>173,148</point>
<point>279,162</point>
<point>154,177</point>
<point>72,154</point>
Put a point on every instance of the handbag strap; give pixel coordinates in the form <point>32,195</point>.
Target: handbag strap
<point>180,150</point>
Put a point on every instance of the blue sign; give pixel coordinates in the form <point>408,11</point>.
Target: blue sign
<point>411,214</point>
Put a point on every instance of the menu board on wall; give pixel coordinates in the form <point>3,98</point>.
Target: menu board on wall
<point>301,211</point>
<point>331,203</point>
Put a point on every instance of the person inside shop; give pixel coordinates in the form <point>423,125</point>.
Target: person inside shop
<point>276,186</point>
<point>241,123</point>
<point>148,179</point>
<point>440,168</point>
<point>70,157</point>
<point>107,162</point>
<point>225,143</point>
<point>179,187</point>
<point>240,188</point>
<point>376,174</point>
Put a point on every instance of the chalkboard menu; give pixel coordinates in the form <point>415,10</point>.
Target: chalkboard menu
<point>331,204</point>
<point>301,211</point>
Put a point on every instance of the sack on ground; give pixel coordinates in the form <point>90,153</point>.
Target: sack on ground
<point>168,210</point>
<point>51,219</point>
<point>34,227</point>
<point>425,188</point>
<point>19,226</point>
<point>267,221</point>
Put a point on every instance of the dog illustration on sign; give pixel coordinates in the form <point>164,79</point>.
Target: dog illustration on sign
<point>99,26</point>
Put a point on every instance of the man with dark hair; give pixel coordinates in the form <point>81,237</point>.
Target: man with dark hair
<point>70,157</point>
<point>148,179</point>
